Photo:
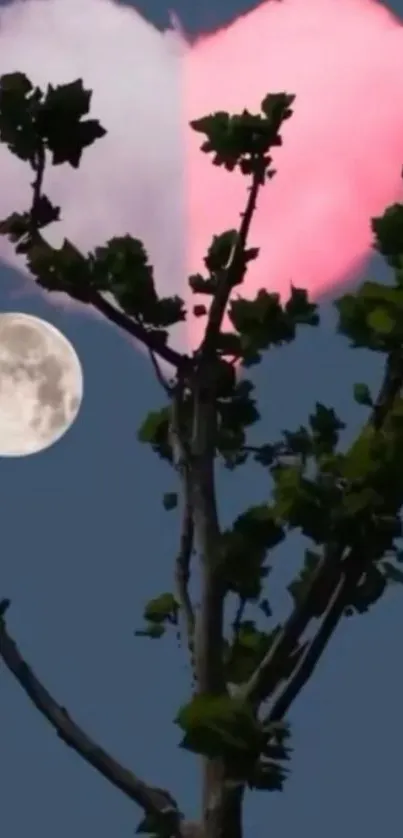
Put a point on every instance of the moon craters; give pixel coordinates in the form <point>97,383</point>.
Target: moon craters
<point>41,384</point>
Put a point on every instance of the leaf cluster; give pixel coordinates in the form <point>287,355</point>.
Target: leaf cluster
<point>29,119</point>
<point>241,139</point>
<point>226,727</point>
<point>159,612</point>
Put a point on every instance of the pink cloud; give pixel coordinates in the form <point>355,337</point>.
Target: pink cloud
<point>342,154</point>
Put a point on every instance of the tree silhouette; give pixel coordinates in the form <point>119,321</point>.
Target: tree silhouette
<point>244,676</point>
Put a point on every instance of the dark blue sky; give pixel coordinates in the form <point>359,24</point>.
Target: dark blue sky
<point>85,542</point>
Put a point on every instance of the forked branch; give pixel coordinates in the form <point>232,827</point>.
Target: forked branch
<point>153,801</point>
<point>316,647</point>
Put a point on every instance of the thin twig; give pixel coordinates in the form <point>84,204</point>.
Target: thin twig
<point>236,625</point>
<point>160,378</point>
<point>235,270</point>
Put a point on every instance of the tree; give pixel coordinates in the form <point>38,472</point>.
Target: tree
<point>346,502</point>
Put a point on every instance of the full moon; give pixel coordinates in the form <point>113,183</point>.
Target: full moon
<point>41,384</point>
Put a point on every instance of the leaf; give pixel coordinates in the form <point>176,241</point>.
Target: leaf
<point>199,285</point>
<point>261,322</point>
<point>220,250</point>
<point>298,442</point>
<point>161,609</point>
<point>236,411</point>
<point>325,426</point>
<point>64,269</point>
<point>243,549</point>
<point>299,309</point>
<point>170,501</point>
<point>265,455</point>
<point>244,139</point>
<point>265,608</point>
<point>122,268</point>
<point>154,631</point>
<point>155,432</point>
<point>369,590</point>
<point>246,652</point>
<point>388,233</point>
<point>392,573</point>
<point>219,726</point>
<point>381,321</point>
<point>367,318</point>
<point>19,102</point>
<point>267,776</point>
<point>59,122</point>
<point>362,394</point>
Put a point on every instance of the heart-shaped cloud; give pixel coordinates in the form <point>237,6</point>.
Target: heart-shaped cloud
<point>340,163</point>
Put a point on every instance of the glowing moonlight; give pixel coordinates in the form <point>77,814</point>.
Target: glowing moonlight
<point>41,385</point>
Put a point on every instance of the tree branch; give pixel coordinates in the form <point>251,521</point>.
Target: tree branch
<point>179,440</point>
<point>220,809</point>
<point>114,315</point>
<point>139,332</point>
<point>259,686</point>
<point>155,802</point>
<point>354,565</point>
<point>314,651</point>
<point>182,571</point>
<point>234,272</point>
<point>159,375</point>
<point>256,689</point>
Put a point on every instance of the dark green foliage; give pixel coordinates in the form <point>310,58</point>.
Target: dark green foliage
<point>122,268</point>
<point>246,652</point>
<point>30,120</point>
<point>243,550</point>
<point>155,431</point>
<point>228,727</point>
<point>372,318</point>
<point>158,614</point>
<point>362,394</point>
<point>240,139</point>
<point>265,322</point>
<point>170,501</point>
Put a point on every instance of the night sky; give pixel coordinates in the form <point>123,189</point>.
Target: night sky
<point>86,542</point>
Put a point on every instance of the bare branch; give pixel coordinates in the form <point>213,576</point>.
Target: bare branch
<point>317,646</point>
<point>153,801</point>
<point>180,447</point>
<point>259,686</point>
<point>182,568</point>
<point>158,372</point>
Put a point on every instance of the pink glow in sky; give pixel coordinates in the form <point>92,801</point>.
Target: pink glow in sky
<point>340,163</point>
